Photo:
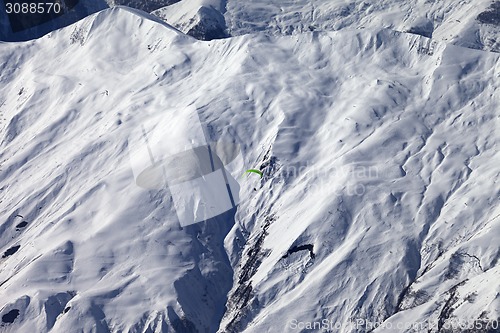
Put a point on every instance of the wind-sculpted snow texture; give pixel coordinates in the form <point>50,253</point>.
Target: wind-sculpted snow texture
<point>202,19</point>
<point>472,24</point>
<point>379,201</point>
<point>468,23</point>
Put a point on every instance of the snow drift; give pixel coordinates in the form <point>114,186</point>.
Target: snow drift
<point>379,200</point>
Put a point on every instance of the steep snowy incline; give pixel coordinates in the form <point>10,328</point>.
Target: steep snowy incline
<point>468,23</point>
<point>384,202</point>
<point>379,199</point>
<point>85,249</point>
<point>202,19</point>
<point>472,24</point>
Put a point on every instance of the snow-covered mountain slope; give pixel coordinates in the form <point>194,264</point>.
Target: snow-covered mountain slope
<point>454,22</point>
<point>473,24</point>
<point>144,5</point>
<point>379,201</point>
<point>202,19</point>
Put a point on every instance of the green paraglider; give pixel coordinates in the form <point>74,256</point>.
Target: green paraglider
<point>254,171</point>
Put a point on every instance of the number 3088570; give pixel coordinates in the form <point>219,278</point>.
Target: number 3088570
<point>33,8</point>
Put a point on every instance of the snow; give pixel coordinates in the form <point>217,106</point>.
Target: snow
<point>450,21</point>
<point>379,152</point>
<point>202,19</point>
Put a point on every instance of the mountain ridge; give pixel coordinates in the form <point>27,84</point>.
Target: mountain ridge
<point>377,148</point>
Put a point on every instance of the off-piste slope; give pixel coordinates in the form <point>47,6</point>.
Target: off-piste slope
<point>392,141</point>
<point>202,19</point>
<point>379,199</point>
<point>473,24</point>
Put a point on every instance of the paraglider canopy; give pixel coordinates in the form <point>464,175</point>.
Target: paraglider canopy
<point>254,171</point>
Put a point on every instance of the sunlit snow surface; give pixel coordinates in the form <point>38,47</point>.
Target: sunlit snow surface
<point>469,23</point>
<point>379,151</point>
<point>454,22</point>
